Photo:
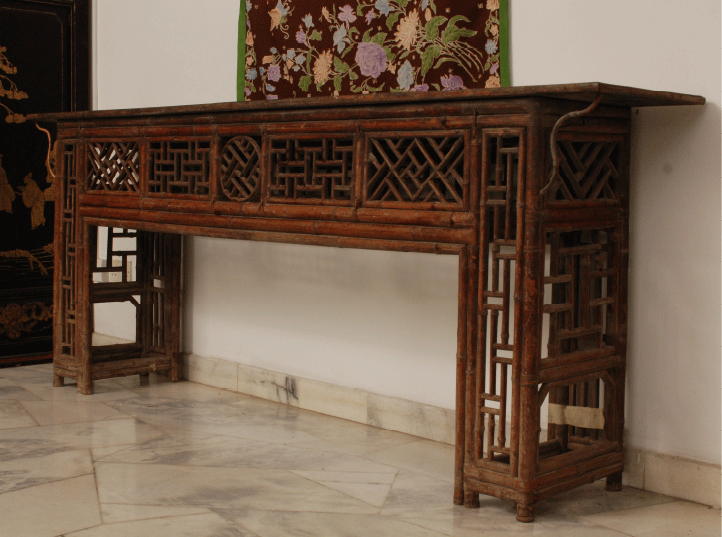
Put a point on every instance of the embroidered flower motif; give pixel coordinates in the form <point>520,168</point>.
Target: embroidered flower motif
<point>277,14</point>
<point>406,33</point>
<point>346,14</point>
<point>452,83</point>
<point>370,16</point>
<point>421,87</point>
<point>249,6</point>
<point>322,67</point>
<point>493,82</point>
<point>406,76</point>
<point>301,37</point>
<point>494,68</point>
<point>428,14</point>
<point>251,74</point>
<point>338,38</point>
<point>492,5</point>
<point>326,14</point>
<point>308,20</point>
<point>271,97</point>
<point>490,47</point>
<point>274,73</point>
<point>383,7</point>
<point>494,29</point>
<point>267,59</point>
<point>249,39</point>
<point>371,59</point>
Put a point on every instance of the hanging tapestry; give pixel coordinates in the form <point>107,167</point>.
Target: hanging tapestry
<point>311,48</point>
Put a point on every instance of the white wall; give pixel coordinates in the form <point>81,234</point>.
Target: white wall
<point>386,321</point>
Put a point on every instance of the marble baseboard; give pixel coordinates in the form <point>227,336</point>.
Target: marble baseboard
<point>646,470</point>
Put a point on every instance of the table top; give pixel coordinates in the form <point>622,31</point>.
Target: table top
<point>583,92</point>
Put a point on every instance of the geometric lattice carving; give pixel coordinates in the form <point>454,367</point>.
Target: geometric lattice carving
<point>179,167</point>
<point>424,169</point>
<point>240,177</point>
<point>500,185</point>
<point>113,166</point>
<point>67,278</point>
<point>317,170</point>
<point>588,170</point>
<point>582,301</point>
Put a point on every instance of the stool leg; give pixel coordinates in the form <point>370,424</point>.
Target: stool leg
<point>614,482</point>
<point>144,379</point>
<point>471,500</point>
<point>524,512</point>
<point>58,381</point>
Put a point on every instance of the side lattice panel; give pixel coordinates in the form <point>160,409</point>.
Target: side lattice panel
<point>67,252</point>
<point>502,184</point>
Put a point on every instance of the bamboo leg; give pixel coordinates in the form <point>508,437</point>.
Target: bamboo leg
<point>524,512</point>
<point>144,379</point>
<point>614,482</point>
<point>58,381</point>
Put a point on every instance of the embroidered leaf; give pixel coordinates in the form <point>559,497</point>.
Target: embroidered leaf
<point>402,3</point>
<point>337,83</point>
<point>367,36</point>
<point>339,66</point>
<point>389,54</point>
<point>428,57</point>
<point>467,33</point>
<point>381,87</point>
<point>442,60</point>
<point>353,76</point>
<point>451,33</point>
<point>315,35</point>
<point>391,19</point>
<point>305,82</point>
<point>432,27</point>
<point>379,38</point>
<point>359,10</point>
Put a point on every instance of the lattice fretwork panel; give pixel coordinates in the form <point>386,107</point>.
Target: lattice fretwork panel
<point>502,183</point>
<point>417,169</point>
<point>179,167</point>
<point>120,257</point>
<point>579,291</point>
<point>67,277</point>
<point>588,170</point>
<point>312,169</point>
<point>240,178</point>
<point>113,166</point>
<point>156,272</point>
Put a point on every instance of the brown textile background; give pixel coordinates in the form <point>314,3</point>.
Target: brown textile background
<point>304,48</point>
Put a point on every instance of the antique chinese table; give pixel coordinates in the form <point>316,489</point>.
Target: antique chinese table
<point>528,186</point>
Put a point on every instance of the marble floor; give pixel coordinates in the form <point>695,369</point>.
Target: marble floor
<point>185,459</point>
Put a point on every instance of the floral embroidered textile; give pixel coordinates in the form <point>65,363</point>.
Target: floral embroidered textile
<point>310,48</point>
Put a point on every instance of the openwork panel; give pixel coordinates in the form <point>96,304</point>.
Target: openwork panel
<point>117,262</point>
<point>156,273</point>
<point>502,184</point>
<point>414,170</point>
<point>240,177</point>
<point>588,170</point>
<point>312,170</point>
<point>67,277</point>
<point>179,167</point>
<point>113,166</point>
<point>580,298</point>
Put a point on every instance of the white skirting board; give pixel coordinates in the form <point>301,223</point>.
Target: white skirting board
<point>673,476</point>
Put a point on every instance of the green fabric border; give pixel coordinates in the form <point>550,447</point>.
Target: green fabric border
<point>241,62</point>
<point>504,43</point>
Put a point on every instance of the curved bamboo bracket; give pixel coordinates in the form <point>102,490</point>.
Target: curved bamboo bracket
<point>555,132</point>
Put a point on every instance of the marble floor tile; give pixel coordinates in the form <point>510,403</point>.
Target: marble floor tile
<point>665,520</point>
<point>425,457</point>
<point>13,415</point>
<point>51,509</point>
<point>120,512</point>
<point>190,460</point>
<point>21,473</point>
<point>57,412</point>
<point>36,441</point>
<point>222,488</point>
<point>199,525</point>
<point>294,524</point>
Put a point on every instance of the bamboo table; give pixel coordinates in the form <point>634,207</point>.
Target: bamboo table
<point>528,186</point>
